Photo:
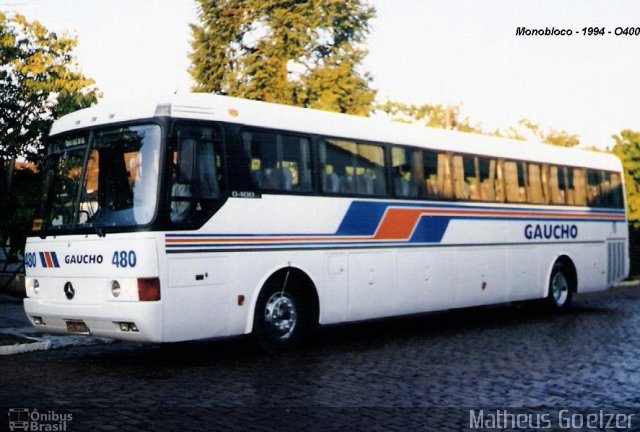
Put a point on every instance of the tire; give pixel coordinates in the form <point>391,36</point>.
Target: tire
<point>283,316</point>
<point>560,289</point>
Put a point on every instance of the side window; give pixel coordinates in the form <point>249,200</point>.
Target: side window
<point>615,198</point>
<point>460,189</point>
<point>534,183</point>
<point>438,174</point>
<point>471,178</point>
<point>545,183</point>
<point>556,193</point>
<point>487,177</point>
<point>408,172</point>
<point>514,182</point>
<point>579,186</point>
<point>479,178</point>
<point>594,182</point>
<point>500,181</point>
<point>352,168</point>
<point>195,173</point>
<point>278,162</point>
<point>568,185</point>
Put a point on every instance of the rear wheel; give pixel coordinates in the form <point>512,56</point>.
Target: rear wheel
<point>282,317</point>
<point>560,289</point>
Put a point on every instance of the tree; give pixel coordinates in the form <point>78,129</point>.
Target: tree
<point>627,148</point>
<point>438,116</point>
<point>295,52</point>
<point>39,81</point>
<point>552,136</point>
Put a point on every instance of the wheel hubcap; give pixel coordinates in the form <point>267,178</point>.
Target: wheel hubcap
<point>559,289</point>
<point>280,315</point>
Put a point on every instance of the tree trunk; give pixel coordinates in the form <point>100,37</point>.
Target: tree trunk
<point>10,169</point>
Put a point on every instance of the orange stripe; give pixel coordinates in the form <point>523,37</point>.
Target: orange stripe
<point>398,224</point>
<point>47,257</point>
<point>261,240</point>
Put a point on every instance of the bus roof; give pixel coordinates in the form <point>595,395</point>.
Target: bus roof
<point>204,106</point>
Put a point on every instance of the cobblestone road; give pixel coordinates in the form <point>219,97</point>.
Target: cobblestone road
<point>419,373</point>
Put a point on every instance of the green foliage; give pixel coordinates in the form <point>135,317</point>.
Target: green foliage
<point>527,127</point>
<point>38,82</point>
<point>294,52</point>
<point>438,116</point>
<point>627,148</point>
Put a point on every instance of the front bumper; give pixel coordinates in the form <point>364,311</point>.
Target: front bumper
<point>101,319</point>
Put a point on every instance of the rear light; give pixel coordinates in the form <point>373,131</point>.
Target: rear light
<point>149,289</point>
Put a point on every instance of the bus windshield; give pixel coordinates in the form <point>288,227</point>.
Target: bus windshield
<point>108,178</point>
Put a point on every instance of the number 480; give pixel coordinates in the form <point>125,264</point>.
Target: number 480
<point>124,259</point>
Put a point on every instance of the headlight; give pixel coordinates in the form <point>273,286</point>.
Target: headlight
<point>125,289</point>
<point>115,289</point>
<point>32,286</point>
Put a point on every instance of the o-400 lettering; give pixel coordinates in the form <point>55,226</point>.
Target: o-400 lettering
<point>124,259</point>
<point>550,231</point>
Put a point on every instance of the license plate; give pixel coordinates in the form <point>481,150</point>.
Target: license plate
<point>77,327</point>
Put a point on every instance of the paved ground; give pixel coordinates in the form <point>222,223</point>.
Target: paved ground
<point>419,373</point>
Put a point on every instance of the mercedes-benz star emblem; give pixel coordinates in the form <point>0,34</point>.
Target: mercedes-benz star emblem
<point>69,291</point>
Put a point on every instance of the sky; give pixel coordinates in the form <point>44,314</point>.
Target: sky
<point>420,51</point>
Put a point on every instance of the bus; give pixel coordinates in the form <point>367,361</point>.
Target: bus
<point>205,216</point>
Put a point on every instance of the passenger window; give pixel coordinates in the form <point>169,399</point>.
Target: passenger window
<point>557,185</point>
<point>568,185</point>
<point>534,186</point>
<point>594,182</point>
<point>408,172</point>
<point>471,177</point>
<point>480,178</point>
<point>615,199</point>
<point>433,186</point>
<point>515,182</point>
<point>487,179</point>
<point>355,168</point>
<point>278,162</point>
<point>579,186</point>
<point>460,189</point>
<point>601,183</point>
<point>500,181</point>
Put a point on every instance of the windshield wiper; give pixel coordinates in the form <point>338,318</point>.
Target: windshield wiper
<point>96,226</point>
<point>91,216</point>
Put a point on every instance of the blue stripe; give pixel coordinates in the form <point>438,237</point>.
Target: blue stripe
<point>43,260</point>
<point>362,219</point>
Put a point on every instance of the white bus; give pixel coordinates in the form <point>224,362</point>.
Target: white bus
<point>206,216</point>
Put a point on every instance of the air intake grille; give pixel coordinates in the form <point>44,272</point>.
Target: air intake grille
<point>615,261</point>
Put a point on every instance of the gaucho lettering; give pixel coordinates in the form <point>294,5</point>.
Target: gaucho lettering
<point>83,259</point>
<point>550,231</point>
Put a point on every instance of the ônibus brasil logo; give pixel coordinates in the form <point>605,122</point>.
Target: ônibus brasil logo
<point>25,419</point>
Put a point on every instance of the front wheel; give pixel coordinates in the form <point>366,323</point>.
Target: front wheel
<point>560,289</point>
<point>281,318</point>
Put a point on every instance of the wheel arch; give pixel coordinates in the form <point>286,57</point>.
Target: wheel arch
<point>277,276</point>
<point>572,272</point>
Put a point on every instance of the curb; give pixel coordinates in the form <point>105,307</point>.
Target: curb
<point>24,348</point>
